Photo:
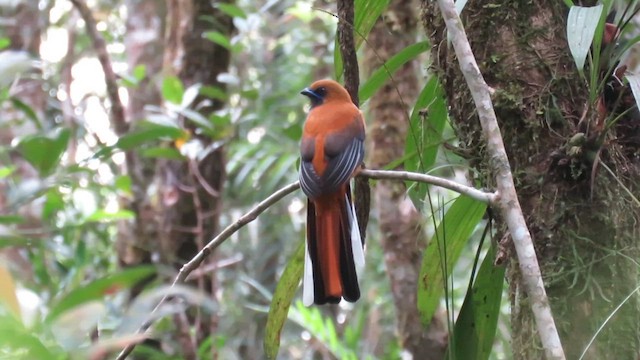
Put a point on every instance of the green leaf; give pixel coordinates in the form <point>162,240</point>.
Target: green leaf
<point>380,76</point>
<point>43,152</point>
<point>27,110</point>
<point>4,42</point>
<point>214,92</point>
<point>52,204</point>
<point>162,153</point>
<point>102,215</point>
<point>476,325</point>
<point>139,72</point>
<point>11,219</point>
<point>172,90</point>
<point>231,10</point>
<point>281,302</point>
<point>450,238</point>
<point>218,38</point>
<point>581,27</point>
<point>123,183</point>
<point>15,338</point>
<point>98,289</point>
<point>366,13</point>
<point>427,122</point>
<point>148,134</point>
<point>6,171</point>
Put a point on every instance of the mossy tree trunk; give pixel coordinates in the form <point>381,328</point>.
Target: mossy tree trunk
<point>584,225</point>
<point>400,223</point>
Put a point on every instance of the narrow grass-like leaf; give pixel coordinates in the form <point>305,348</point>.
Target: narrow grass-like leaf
<point>581,27</point>
<point>281,302</point>
<point>476,325</point>
<point>366,13</point>
<point>450,237</point>
<point>97,289</point>
<point>231,10</point>
<point>428,120</point>
<point>381,75</point>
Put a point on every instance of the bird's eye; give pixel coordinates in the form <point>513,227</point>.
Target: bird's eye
<point>321,91</point>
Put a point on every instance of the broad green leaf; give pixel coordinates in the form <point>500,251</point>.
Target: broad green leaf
<point>52,204</point>
<point>366,13</point>
<point>14,338</point>
<point>231,10</point>
<point>281,302</point>
<point>172,89</point>
<point>427,122</point>
<point>581,27</point>
<point>450,238</point>
<point>476,325</point>
<point>98,289</point>
<point>218,38</point>
<point>123,183</point>
<point>381,75</point>
<point>102,215</point>
<point>43,152</point>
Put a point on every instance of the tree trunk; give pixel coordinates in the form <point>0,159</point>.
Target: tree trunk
<point>144,42</point>
<point>192,189</point>
<point>584,228</point>
<point>400,223</point>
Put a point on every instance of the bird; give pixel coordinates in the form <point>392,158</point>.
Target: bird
<point>331,153</point>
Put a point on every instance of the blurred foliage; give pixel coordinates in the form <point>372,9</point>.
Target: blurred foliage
<point>62,186</point>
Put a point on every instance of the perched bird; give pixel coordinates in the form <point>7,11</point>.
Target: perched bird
<point>332,150</point>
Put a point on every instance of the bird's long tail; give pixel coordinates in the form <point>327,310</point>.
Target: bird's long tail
<point>334,251</point>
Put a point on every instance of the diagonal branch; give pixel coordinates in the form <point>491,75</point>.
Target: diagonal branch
<point>117,110</point>
<point>250,216</point>
<point>508,200</point>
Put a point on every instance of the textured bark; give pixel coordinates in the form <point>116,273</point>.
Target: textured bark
<point>144,44</point>
<point>191,189</point>
<point>401,233</point>
<point>584,235</point>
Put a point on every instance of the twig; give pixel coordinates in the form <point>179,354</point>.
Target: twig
<point>117,110</point>
<point>508,200</point>
<point>193,264</point>
<point>485,197</point>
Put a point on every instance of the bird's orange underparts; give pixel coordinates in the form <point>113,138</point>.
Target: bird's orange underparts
<point>332,150</point>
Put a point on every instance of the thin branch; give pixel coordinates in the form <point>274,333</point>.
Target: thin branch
<point>485,197</point>
<point>508,200</point>
<point>117,110</point>
<point>250,216</point>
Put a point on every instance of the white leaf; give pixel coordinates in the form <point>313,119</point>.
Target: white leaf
<point>634,82</point>
<point>581,27</point>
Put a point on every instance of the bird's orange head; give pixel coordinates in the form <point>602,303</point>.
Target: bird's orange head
<point>325,91</point>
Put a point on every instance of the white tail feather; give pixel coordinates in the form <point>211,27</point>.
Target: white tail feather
<point>307,279</point>
<point>356,240</point>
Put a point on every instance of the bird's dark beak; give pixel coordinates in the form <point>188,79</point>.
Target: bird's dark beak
<point>310,94</point>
